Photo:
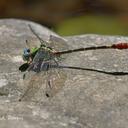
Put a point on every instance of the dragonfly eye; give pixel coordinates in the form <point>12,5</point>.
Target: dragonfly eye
<point>26,54</point>
<point>28,50</point>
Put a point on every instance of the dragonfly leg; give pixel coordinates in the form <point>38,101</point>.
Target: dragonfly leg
<point>56,62</point>
<point>49,85</point>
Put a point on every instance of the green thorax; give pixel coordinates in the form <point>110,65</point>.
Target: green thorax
<point>35,49</point>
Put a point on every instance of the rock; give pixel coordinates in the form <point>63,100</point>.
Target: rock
<point>87,99</point>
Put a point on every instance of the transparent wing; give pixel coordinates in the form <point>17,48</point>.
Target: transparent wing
<point>55,80</point>
<point>58,43</point>
<point>32,42</point>
<point>38,59</point>
<point>40,55</point>
<point>32,84</point>
<point>46,83</point>
<point>55,42</point>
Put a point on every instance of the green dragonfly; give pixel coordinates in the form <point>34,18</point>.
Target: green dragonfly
<point>44,61</point>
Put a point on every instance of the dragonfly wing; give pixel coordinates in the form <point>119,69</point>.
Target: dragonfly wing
<point>30,43</point>
<point>31,86</point>
<point>39,58</point>
<point>34,85</point>
<point>58,43</point>
<point>55,81</point>
<point>39,55</point>
<point>38,86</point>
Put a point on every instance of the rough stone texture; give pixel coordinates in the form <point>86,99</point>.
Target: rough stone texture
<point>88,99</point>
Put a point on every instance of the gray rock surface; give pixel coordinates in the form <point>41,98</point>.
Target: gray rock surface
<point>87,99</point>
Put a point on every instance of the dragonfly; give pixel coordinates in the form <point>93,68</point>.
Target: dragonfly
<point>47,60</point>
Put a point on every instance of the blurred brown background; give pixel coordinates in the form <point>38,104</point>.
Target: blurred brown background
<point>70,17</point>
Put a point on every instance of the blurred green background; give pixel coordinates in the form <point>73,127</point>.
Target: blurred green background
<point>71,17</point>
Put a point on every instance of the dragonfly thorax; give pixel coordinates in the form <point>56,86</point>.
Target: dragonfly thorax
<point>46,54</point>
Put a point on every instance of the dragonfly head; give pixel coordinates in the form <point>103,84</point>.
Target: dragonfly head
<point>26,54</point>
